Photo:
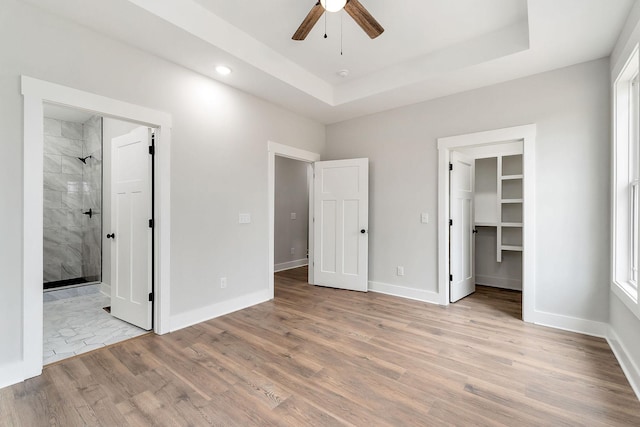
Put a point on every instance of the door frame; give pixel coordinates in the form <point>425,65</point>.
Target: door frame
<point>281,150</point>
<point>526,133</point>
<point>35,93</point>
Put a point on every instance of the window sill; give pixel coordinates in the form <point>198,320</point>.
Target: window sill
<point>628,295</point>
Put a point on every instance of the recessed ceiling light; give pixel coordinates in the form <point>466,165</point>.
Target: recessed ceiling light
<point>223,70</point>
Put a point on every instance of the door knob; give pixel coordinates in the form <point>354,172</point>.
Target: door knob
<point>111,236</point>
<point>363,231</point>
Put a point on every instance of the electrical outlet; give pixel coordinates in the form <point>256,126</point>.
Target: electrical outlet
<point>400,270</point>
<point>293,251</point>
<point>293,215</point>
<point>223,282</point>
<point>244,218</point>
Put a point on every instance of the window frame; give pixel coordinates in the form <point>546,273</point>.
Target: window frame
<point>625,202</point>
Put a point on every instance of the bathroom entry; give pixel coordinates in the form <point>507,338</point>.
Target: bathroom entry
<point>84,287</point>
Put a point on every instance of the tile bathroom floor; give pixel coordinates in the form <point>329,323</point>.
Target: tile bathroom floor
<point>75,322</point>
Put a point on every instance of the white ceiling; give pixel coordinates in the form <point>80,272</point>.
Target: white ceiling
<point>430,48</point>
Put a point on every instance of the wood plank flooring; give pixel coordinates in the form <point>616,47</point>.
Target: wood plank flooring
<point>325,357</point>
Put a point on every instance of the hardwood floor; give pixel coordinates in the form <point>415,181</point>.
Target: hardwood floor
<point>318,356</point>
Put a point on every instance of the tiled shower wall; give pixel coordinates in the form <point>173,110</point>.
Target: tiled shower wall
<point>92,199</point>
<point>72,245</point>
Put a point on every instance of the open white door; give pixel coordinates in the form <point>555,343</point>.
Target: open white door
<point>462,279</point>
<point>341,218</point>
<point>131,234</point>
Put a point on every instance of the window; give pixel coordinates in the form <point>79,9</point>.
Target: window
<point>626,183</point>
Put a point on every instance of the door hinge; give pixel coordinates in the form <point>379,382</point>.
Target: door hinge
<point>150,296</point>
<point>451,277</point>
<point>151,223</point>
<point>450,223</point>
<point>450,166</point>
<point>152,147</point>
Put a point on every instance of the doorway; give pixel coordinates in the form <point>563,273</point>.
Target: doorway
<point>482,145</point>
<point>78,305</point>
<point>36,93</point>
<point>291,216</point>
<point>307,158</point>
<point>486,237</point>
<point>338,228</point>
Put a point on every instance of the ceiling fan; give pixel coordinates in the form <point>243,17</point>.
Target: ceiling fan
<point>353,7</point>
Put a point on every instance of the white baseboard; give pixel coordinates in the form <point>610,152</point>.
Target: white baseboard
<point>405,292</point>
<point>630,369</point>
<point>105,289</point>
<point>212,311</point>
<point>11,373</point>
<point>499,282</point>
<point>290,264</point>
<point>571,324</point>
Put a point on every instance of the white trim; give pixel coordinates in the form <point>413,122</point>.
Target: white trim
<point>571,324</point>
<point>404,292</point>
<point>499,282</point>
<point>493,150</point>
<point>212,311</point>
<point>526,133</point>
<point>32,238</point>
<point>275,149</point>
<point>620,285</point>
<point>105,289</point>
<point>11,373</point>
<point>290,264</point>
<point>36,92</point>
<point>630,369</point>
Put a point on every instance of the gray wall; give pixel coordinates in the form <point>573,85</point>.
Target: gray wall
<point>218,157</point>
<point>291,196</point>
<point>572,111</point>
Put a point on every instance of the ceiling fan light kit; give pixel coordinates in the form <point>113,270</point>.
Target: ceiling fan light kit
<point>354,8</point>
<point>333,5</point>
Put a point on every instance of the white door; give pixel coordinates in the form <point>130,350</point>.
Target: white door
<point>131,233</point>
<point>341,220</point>
<point>462,276</point>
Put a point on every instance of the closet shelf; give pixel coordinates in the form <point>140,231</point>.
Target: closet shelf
<point>511,248</point>
<point>486,224</point>
<point>509,177</point>
<point>511,224</point>
<point>512,201</point>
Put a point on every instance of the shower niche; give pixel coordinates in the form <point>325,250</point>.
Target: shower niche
<point>72,184</point>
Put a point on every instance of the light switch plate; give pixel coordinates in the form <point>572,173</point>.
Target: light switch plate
<point>293,215</point>
<point>244,218</point>
<point>424,218</point>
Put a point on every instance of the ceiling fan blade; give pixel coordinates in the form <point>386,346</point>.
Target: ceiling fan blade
<point>303,30</point>
<point>363,18</point>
